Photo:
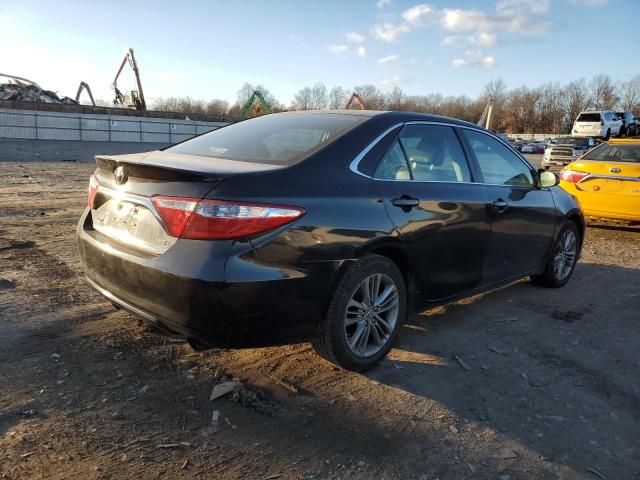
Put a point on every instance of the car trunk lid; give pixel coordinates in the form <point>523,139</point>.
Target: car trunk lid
<point>122,210</point>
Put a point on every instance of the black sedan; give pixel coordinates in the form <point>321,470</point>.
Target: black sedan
<point>327,227</point>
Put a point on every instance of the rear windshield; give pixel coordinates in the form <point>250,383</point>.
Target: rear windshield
<point>280,139</point>
<point>615,153</point>
<point>588,117</point>
<point>576,141</point>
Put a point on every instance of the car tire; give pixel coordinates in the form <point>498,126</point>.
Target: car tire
<point>563,259</point>
<point>356,334</point>
<point>608,135</point>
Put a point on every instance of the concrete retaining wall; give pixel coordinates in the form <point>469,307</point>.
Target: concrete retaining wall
<point>44,125</point>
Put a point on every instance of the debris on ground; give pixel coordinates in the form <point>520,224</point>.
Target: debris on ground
<point>25,90</point>
<point>254,400</point>
<point>507,453</point>
<point>596,473</point>
<point>453,429</point>
<point>499,348</point>
<point>223,389</point>
<point>462,363</point>
<point>285,384</point>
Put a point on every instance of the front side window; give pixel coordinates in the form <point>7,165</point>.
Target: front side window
<point>498,164</point>
<point>425,153</point>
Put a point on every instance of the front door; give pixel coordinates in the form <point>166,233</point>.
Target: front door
<point>428,191</point>
<point>523,216</point>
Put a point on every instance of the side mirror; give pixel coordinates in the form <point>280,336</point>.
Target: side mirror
<point>548,179</point>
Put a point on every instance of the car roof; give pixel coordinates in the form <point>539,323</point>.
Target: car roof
<point>395,115</point>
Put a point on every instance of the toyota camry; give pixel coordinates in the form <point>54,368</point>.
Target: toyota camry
<point>328,227</point>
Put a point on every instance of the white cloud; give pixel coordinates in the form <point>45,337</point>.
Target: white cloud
<point>387,59</point>
<point>512,7</point>
<point>388,32</point>
<point>451,40</point>
<point>589,3</point>
<point>338,49</point>
<point>483,39</point>
<point>419,15</point>
<point>465,62</point>
<point>381,3</point>
<point>458,20</point>
<point>361,52</point>
<point>355,37</point>
<point>390,82</point>
<point>473,53</point>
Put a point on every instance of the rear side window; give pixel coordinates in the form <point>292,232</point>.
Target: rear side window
<point>588,117</point>
<point>425,153</point>
<point>498,164</point>
<point>279,139</point>
<point>615,153</point>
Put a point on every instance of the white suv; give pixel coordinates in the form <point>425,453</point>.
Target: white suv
<point>596,123</point>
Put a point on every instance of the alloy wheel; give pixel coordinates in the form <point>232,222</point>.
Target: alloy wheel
<point>371,315</point>
<point>565,256</point>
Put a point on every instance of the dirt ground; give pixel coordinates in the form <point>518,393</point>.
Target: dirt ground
<point>520,383</point>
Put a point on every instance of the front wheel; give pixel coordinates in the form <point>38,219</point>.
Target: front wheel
<point>608,135</point>
<point>363,320</point>
<point>562,262</point>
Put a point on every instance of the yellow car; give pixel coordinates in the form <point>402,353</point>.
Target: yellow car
<point>606,180</point>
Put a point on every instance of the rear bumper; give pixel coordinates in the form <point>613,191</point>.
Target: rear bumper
<point>216,293</point>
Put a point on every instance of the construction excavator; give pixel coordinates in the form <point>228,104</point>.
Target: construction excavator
<point>262,106</point>
<point>85,86</point>
<point>134,98</point>
<point>357,100</point>
<point>485,119</point>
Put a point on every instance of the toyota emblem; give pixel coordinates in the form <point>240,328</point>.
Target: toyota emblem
<point>120,175</point>
<point>615,170</point>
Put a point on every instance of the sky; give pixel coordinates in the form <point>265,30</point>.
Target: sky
<point>208,49</point>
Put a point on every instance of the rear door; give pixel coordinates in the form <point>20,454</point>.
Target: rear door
<point>523,216</point>
<point>427,189</point>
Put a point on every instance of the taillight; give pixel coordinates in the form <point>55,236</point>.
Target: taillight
<point>572,176</point>
<point>218,219</point>
<point>93,189</point>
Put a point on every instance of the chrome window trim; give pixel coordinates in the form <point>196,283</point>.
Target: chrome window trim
<point>353,166</point>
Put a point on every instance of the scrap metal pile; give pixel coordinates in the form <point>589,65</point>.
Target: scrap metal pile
<point>21,89</point>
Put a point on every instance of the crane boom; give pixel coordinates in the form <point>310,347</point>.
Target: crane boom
<point>138,99</point>
<point>85,86</point>
<point>485,119</point>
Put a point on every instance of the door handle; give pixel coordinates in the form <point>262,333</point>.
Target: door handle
<point>405,201</point>
<point>499,205</point>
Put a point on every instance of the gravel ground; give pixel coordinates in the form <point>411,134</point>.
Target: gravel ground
<point>519,383</point>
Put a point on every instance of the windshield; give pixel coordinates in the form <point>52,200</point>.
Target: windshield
<point>615,153</point>
<point>588,117</point>
<point>279,139</point>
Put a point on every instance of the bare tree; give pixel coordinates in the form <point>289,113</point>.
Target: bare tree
<point>302,99</point>
<point>372,96</point>
<point>395,99</point>
<point>576,96</point>
<point>338,97</point>
<point>630,94</point>
<point>319,97</point>
<point>216,107</point>
<point>602,91</point>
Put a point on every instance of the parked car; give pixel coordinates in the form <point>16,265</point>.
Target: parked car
<point>530,147</point>
<point>627,120</point>
<point>634,128</point>
<point>564,150</point>
<point>606,180</point>
<point>596,123</point>
<point>328,227</point>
